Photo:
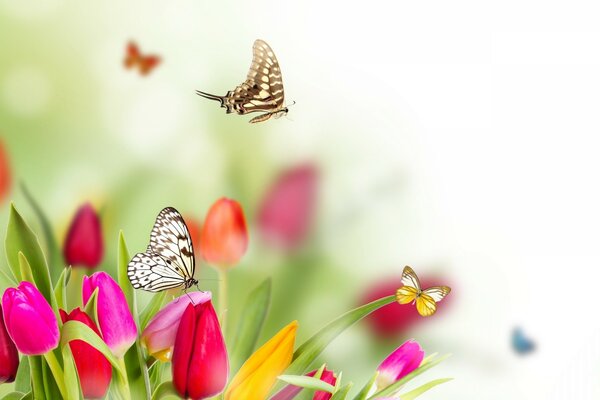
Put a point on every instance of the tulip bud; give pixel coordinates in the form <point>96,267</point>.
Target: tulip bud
<point>401,362</point>
<point>327,377</point>
<point>200,366</point>
<point>84,246</point>
<point>114,318</point>
<point>259,373</point>
<point>287,209</point>
<point>195,229</point>
<point>9,356</point>
<point>159,335</point>
<point>5,175</point>
<point>291,391</point>
<point>224,236</point>
<point>29,320</point>
<point>93,368</point>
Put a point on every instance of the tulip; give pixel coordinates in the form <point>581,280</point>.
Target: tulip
<point>401,362</point>
<point>287,209</point>
<point>5,175</point>
<point>29,320</point>
<point>9,356</point>
<point>290,392</point>
<point>200,366</point>
<point>84,245</point>
<point>195,229</point>
<point>259,373</point>
<point>115,320</point>
<point>224,236</point>
<point>159,335</point>
<point>93,368</point>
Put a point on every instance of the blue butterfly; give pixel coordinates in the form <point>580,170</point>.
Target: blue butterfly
<point>521,344</point>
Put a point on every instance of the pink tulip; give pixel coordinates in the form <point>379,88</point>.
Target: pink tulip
<point>114,318</point>
<point>9,356</point>
<point>287,210</point>
<point>84,246</point>
<point>29,320</point>
<point>159,335</point>
<point>290,391</point>
<point>401,362</point>
<point>199,366</point>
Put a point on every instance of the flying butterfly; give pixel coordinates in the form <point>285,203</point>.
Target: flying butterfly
<point>521,344</point>
<point>169,259</point>
<point>261,92</point>
<point>411,292</point>
<point>134,59</point>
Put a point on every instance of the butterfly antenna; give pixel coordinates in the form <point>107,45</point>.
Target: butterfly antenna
<point>209,96</point>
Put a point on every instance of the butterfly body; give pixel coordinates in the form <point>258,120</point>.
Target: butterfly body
<point>169,261</point>
<point>424,299</point>
<point>262,91</point>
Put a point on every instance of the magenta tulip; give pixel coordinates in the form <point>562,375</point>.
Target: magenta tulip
<point>199,366</point>
<point>328,377</point>
<point>401,362</point>
<point>287,209</point>
<point>93,368</point>
<point>291,391</point>
<point>159,335</point>
<point>114,318</point>
<point>29,320</point>
<point>84,246</point>
<point>9,356</point>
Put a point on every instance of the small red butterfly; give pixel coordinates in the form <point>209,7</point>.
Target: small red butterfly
<point>134,58</point>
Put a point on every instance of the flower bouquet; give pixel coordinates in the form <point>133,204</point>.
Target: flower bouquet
<point>102,345</point>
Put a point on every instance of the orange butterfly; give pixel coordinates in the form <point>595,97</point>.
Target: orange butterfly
<point>134,58</point>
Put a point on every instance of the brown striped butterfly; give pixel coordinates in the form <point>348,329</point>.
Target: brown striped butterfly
<point>424,299</point>
<point>262,91</point>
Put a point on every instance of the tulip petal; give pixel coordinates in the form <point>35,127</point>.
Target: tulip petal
<point>183,349</point>
<point>84,245</point>
<point>399,363</point>
<point>9,356</point>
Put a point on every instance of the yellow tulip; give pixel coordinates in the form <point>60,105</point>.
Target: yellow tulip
<point>259,373</point>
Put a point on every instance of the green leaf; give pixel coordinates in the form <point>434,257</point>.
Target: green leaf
<point>20,238</point>
<point>394,387</point>
<point>91,307</point>
<point>165,390</point>
<point>310,350</point>
<point>6,280</point>
<point>152,308</point>
<point>156,374</point>
<point>25,268</point>
<point>54,253</point>
<point>13,396</point>
<point>122,261</point>
<point>364,392</point>
<point>250,324</point>
<point>342,393</point>
<point>23,379</point>
<point>60,289</point>
<point>307,382</point>
<point>37,378</point>
<point>75,330</point>
<point>413,394</point>
<point>71,378</point>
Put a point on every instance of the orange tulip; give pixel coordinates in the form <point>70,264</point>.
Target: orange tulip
<point>5,176</point>
<point>224,236</point>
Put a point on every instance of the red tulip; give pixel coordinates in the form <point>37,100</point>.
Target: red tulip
<point>9,356</point>
<point>195,229</point>
<point>287,209</point>
<point>224,237</point>
<point>5,175</point>
<point>93,368</point>
<point>199,365</point>
<point>394,319</point>
<point>84,246</point>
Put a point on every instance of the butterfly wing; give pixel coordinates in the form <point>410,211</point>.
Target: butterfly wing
<point>263,88</point>
<point>170,239</point>
<point>521,344</point>
<point>148,63</point>
<point>151,272</point>
<point>437,293</point>
<point>132,55</point>
<point>426,305</point>
<point>409,278</point>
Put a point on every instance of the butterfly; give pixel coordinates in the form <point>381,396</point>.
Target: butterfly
<point>133,59</point>
<point>520,343</point>
<point>425,299</point>
<point>169,259</point>
<point>261,92</point>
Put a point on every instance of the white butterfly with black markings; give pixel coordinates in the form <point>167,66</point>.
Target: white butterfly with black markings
<point>169,259</point>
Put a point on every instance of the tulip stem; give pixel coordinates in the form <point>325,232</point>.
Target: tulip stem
<point>57,372</point>
<point>223,299</point>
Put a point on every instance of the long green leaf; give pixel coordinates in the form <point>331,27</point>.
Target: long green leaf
<point>164,390</point>
<point>71,378</point>
<point>23,379</point>
<point>6,279</point>
<point>310,350</point>
<point>155,304</point>
<point>37,379</point>
<point>307,382</point>
<point>60,289</point>
<point>25,268</point>
<point>394,387</point>
<point>75,330</point>
<point>20,238</point>
<point>250,324</point>
<point>122,261</point>
<point>413,394</point>
<point>364,392</point>
<point>13,396</point>
<point>342,393</point>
